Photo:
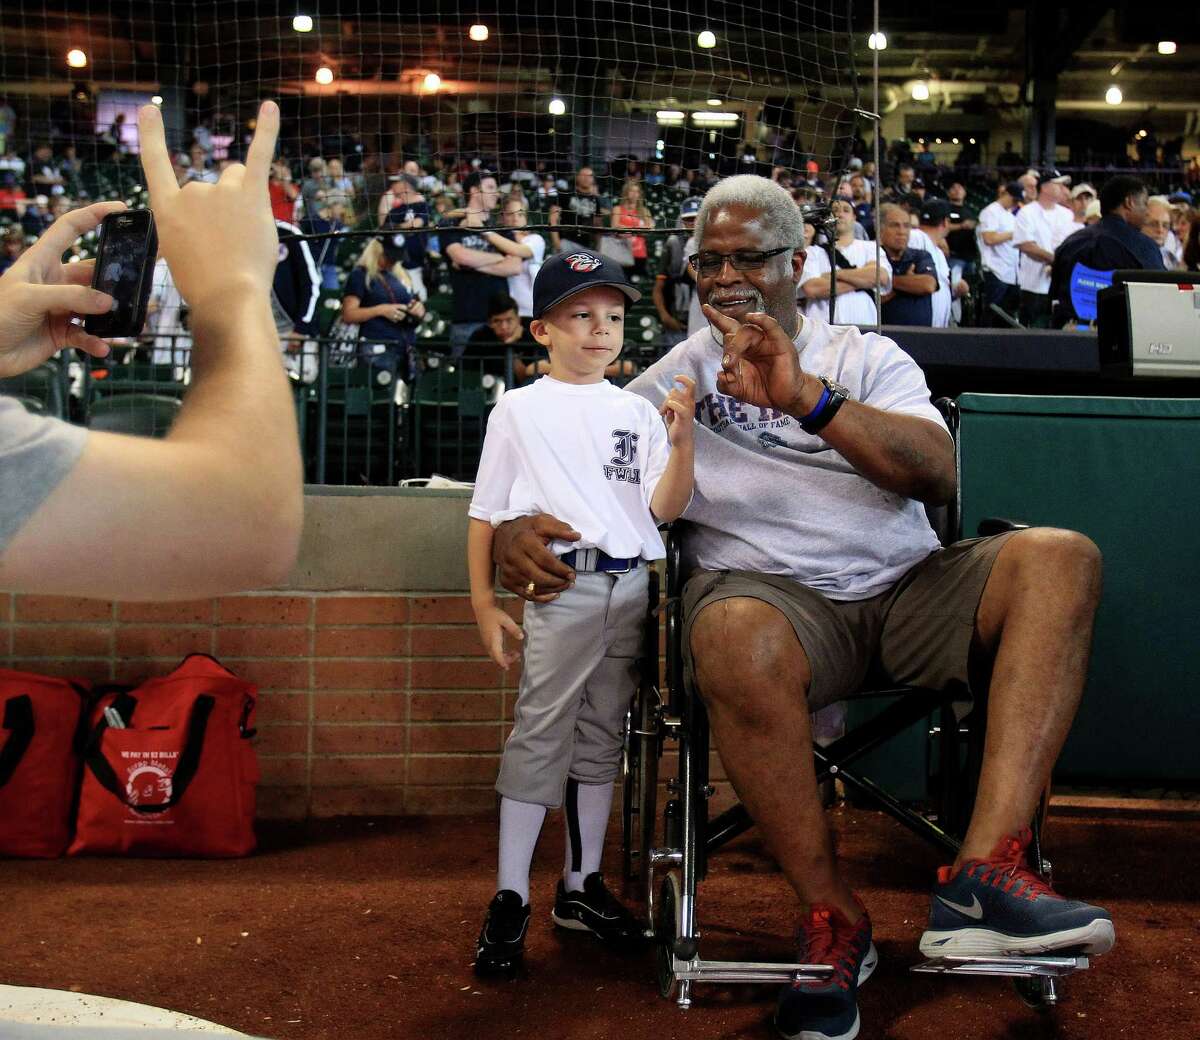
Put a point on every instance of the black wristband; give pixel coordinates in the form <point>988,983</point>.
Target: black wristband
<point>837,397</point>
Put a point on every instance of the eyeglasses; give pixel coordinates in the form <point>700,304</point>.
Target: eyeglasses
<point>743,260</point>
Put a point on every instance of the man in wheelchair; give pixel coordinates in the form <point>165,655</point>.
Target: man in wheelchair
<point>812,563</point>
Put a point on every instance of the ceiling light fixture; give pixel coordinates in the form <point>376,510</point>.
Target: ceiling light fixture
<point>1167,47</point>
<point>920,91</point>
<point>432,81</point>
<point>877,41</point>
<point>324,75</point>
<point>302,23</point>
<point>76,59</point>
<point>557,107</point>
<point>706,39</point>
<point>478,33</point>
<point>1113,95</point>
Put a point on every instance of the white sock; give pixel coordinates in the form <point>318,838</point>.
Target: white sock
<point>587,808</point>
<point>520,825</point>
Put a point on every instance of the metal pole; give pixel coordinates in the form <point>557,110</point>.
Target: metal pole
<point>876,126</point>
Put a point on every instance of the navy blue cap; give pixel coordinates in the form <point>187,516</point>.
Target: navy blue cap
<point>393,246</point>
<point>1016,191</point>
<point>569,273</point>
<point>690,206</point>
<point>934,211</point>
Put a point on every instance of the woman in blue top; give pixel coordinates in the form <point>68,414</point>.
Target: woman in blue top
<point>380,298</point>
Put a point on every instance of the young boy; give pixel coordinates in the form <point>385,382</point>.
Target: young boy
<point>596,457</point>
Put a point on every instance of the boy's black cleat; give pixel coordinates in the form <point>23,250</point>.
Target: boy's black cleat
<point>501,946</point>
<point>596,910</point>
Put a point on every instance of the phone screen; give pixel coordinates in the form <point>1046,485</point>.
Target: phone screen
<point>127,250</point>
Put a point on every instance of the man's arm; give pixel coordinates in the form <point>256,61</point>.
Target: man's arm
<point>1035,252</point>
<point>995,238</point>
<point>482,261</point>
<point>859,277</point>
<point>216,505</point>
<point>818,288</point>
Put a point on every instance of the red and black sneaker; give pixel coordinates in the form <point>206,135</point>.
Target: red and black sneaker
<point>1000,907</point>
<point>828,1010</point>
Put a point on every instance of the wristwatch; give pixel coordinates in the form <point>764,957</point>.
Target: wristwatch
<point>833,396</point>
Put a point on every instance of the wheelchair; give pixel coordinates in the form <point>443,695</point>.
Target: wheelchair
<point>667,864</point>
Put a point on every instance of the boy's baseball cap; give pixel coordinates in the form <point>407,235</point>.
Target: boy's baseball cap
<point>690,206</point>
<point>569,273</point>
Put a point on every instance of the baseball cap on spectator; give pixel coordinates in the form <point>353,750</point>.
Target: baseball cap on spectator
<point>1180,196</point>
<point>1015,190</point>
<point>1093,210</point>
<point>917,182</point>
<point>690,207</point>
<point>1052,176</point>
<point>474,179</point>
<point>936,210</point>
<point>393,246</point>
<point>856,163</point>
<point>566,274</point>
<point>811,166</point>
<point>1079,189</point>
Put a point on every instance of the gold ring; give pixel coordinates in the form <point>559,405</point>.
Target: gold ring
<point>529,589</point>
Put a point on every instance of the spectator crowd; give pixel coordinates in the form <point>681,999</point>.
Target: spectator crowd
<point>455,238</point>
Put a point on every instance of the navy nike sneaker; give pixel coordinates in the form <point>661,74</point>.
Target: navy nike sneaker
<point>501,946</point>
<point>998,906</point>
<point>828,1010</point>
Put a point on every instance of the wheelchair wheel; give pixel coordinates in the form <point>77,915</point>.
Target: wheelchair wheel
<point>666,931</point>
<point>1039,993</point>
<point>629,763</point>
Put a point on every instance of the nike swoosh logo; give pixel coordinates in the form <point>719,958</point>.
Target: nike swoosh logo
<point>974,910</point>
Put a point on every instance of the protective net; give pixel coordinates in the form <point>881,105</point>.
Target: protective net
<point>596,116</point>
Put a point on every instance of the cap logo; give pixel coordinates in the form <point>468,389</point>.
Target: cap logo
<point>581,263</point>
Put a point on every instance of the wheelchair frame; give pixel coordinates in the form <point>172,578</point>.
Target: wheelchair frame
<point>689,837</point>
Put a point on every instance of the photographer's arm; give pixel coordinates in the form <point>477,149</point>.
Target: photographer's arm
<point>217,505</point>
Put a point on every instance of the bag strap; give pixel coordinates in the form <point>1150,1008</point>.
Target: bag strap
<point>18,720</point>
<point>185,770</point>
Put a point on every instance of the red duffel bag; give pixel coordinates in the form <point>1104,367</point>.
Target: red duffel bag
<point>40,721</point>
<point>169,769</point>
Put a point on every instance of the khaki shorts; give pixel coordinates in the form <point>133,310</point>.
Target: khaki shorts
<point>918,633</point>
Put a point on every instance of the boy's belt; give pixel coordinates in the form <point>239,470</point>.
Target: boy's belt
<point>599,560</point>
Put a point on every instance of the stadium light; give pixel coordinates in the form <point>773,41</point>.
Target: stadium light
<point>920,91</point>
<point>877,41</point>
<point>954,140</point>
<point>76,59</point>
<point>1167,47</point>
<point>715,118</point>
<point>972,140</point>
<point>716,102</point>
<point>478,33</point>
<point>1113,95</point>
<point>669,116</point>
<point>432,81</point>
<point>302,23</point>
<point>324,75</point>
<point>706,39</point>
<point>157,99</point>
<point>557,106</point>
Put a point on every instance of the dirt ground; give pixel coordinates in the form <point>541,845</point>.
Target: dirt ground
<point>364,929</point>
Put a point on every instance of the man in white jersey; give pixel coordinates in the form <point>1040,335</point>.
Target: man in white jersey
<point>812,561</point>
<point>995,230</point>
<point>855,304</point>
<point>931,236</point>
<point>1040,228</point>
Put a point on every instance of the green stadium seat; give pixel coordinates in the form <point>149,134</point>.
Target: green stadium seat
<point>143,415</point>
<point>42,386</point>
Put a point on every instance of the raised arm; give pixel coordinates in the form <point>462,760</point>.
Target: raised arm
<point>216,505</point>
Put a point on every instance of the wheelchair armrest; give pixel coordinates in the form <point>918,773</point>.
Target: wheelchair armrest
<point>999,525</point>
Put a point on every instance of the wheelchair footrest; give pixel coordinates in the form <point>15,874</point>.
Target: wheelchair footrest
<point>697,970</point>
<point>1013,967</point>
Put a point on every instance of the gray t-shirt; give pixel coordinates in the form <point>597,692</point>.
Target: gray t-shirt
<point>773,499</point>
<point>35,454</point>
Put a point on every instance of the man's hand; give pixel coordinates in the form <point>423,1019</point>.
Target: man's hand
<point>519,548</point>
<point>231,219</point>
<point>39,294</point>
<point>761,366</point>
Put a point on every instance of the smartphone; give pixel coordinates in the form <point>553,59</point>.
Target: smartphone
<point>125,259</point>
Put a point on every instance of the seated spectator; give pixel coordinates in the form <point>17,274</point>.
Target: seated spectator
<point>199,170</point>
<point>341,184</point>
<point>505,329</point>
<point>166,319</point>
<point>914,277</point>
<point>315,186</point>
<point>855,277</point>
<point>324,250</point>
<point>381,299</point>
<point>998,255</point>
<point>861,200</point>
<point>1115,243</point>
<point>42,170</point>
<point>1158,227</point>
<point>528,246</point>
<point>409,212</point>
<point>905,178</point>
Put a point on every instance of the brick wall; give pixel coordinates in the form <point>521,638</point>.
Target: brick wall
<point>367,704</point>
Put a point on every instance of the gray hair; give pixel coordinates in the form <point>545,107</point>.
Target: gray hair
<point>781,215</point>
